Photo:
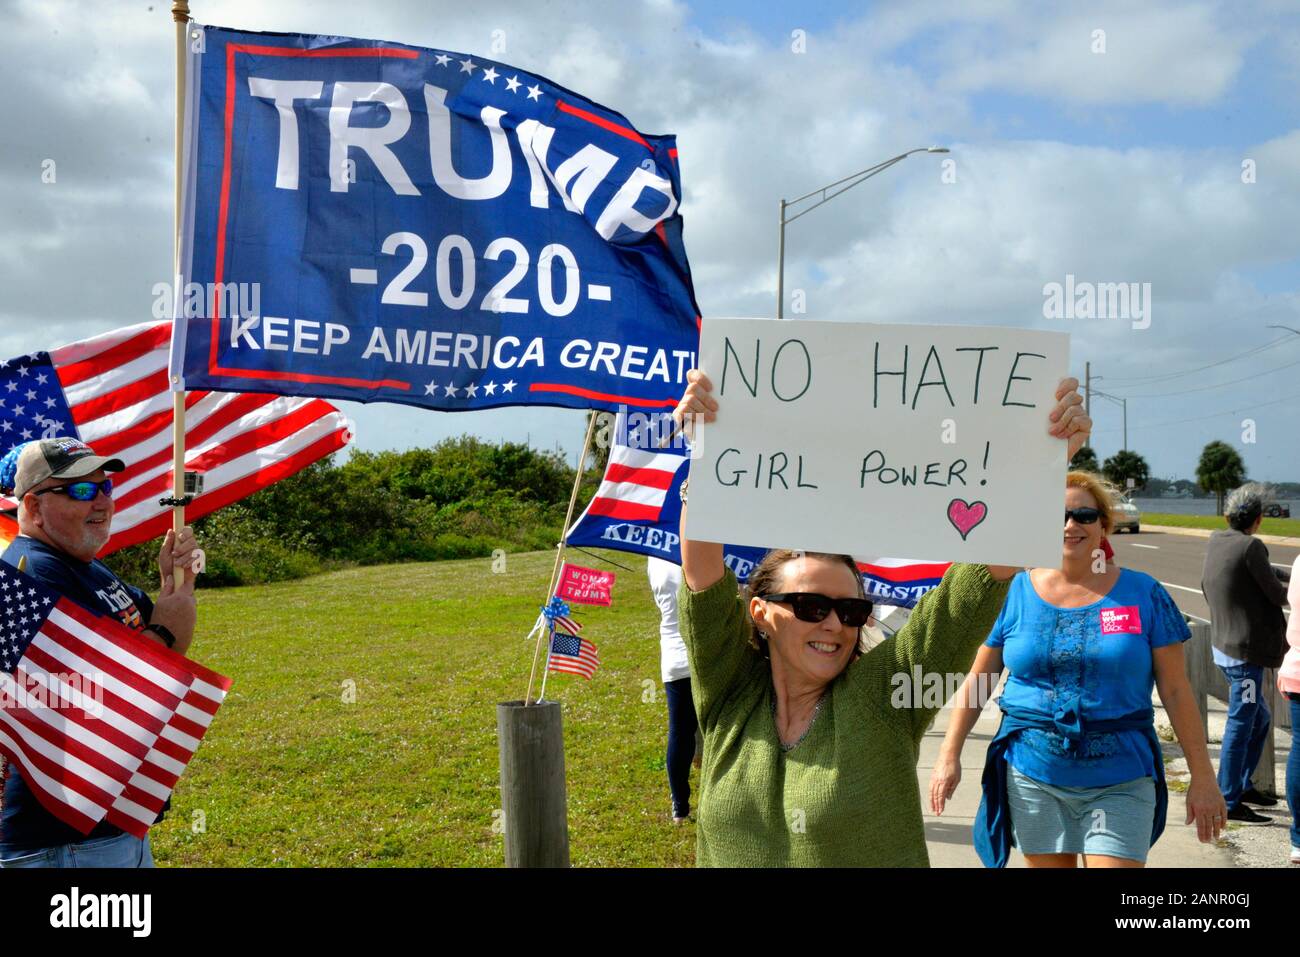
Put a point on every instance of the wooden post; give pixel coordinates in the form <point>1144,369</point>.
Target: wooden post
<point>534,806</point>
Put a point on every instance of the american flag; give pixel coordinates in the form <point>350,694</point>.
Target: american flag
<point>636,484</point>
<point>99,720</point>
<point>567,624</point>
<point>112,392</point>
<point>572,655</point>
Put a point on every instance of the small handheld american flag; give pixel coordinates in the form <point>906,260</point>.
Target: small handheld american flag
<point>100,721</point>
<point>572,655</point>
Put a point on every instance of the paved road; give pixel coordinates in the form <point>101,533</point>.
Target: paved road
<point>1176,561</point>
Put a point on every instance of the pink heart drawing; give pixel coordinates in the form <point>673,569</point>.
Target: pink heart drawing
<point>965,517</point>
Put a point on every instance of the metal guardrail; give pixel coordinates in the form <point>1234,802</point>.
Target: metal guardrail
<point>1206,679</point>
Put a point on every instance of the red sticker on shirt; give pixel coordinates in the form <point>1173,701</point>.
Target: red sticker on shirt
<point>1121,621</point>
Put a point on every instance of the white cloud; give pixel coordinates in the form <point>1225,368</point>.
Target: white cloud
<point>755,122</point>
<point>1183,54</point>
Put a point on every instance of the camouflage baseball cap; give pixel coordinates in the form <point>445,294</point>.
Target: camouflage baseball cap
<point>58,458</point>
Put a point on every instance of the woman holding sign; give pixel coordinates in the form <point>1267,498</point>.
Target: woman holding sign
<point>1076,767</point>
<point>806,762</point>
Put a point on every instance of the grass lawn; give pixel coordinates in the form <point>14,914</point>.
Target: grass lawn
<point>292,774</point>
<point>1270,526</point>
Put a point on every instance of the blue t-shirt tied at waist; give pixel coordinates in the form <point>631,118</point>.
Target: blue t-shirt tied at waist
<point>1077,701</point>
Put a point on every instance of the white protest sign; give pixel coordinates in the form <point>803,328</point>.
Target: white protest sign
<point>882,440</point>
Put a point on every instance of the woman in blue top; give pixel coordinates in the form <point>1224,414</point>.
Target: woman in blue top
<point>1076,768</point>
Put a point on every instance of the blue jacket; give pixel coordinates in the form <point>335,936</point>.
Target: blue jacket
<point>992,828</point>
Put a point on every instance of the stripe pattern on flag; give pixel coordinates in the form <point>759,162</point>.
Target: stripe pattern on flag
<point>100,721</point>
<point>112,392</point>
<point>567,625</point>
<point>572,655</point>
<point>636,484</point>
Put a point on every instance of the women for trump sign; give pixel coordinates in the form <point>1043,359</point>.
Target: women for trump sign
<point>381,222</point>
<point>587,586</point>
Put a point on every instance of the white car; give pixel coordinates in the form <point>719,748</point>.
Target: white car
<point>1126,515</point>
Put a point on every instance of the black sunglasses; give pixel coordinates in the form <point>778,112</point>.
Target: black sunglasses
<point>809,606</point>
<point>1084,516</point>
<point>82,491</point>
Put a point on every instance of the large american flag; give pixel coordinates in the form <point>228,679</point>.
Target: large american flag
<point>100,721</point>
<point>112,392</point>
<point>572,655</point>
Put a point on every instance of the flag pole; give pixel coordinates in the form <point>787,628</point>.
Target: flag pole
<point>559,549</point>
<point>546,669</point>
<point>181,17</point>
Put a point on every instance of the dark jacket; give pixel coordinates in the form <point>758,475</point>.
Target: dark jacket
<point>1246,599</point>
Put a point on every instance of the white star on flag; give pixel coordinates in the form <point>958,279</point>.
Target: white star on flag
<point>490,75</point>
<point>431,389</point>
<point>442,59</point>
<point>451,390</point>
<point>490,389</point>
<point>509,386</point>
<point>471,391</point>
<point>534,92</point>
<point>467,66</point>
<point>513,83</point>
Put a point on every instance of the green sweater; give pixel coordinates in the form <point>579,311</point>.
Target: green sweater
<point>847,795</point>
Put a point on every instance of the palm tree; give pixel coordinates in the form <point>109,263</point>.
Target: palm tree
<point>1125,465</point>
<point>1220,471</point>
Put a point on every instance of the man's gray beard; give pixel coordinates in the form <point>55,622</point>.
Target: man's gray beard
<point>93,540</point>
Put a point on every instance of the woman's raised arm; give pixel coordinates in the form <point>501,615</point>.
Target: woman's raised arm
<point>702,563</point>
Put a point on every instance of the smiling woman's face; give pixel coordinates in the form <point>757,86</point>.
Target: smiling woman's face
<point>1081,541</point>
<point>815,650</point>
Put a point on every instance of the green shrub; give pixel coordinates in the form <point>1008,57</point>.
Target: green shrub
<point>463,498</point>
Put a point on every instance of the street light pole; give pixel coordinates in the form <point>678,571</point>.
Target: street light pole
<point>1087,395</point>
<point>1116,399</point>
<point>826,196</point>
<point>780,266</point>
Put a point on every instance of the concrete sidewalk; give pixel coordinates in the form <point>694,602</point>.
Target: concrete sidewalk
<point>948,838</point>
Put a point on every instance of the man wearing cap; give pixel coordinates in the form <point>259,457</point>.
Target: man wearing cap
<point>65,514</point>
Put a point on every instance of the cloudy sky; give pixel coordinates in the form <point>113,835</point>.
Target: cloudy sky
<point>1156,143</point>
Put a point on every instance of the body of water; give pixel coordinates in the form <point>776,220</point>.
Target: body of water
<point>1192,506</point>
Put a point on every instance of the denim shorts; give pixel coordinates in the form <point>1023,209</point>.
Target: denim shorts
<point>1114,820</point>
<point>124,850</point>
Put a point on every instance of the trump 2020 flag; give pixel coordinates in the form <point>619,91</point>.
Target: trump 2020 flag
<point>100,721</point>
<point>638,508</point>
<point>381,222</point>
<point>112,393</point>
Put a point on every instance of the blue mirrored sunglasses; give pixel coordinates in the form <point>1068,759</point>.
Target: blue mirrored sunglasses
<point>82,491</point>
